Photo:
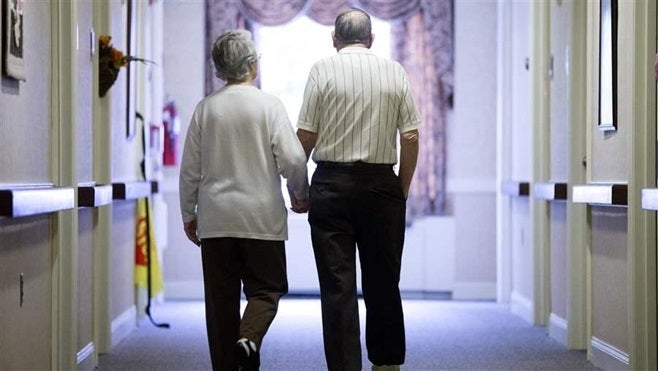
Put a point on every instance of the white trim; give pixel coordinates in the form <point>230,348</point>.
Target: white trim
<point>607,357</point>
<point>503,151</point>
<point>102,171</point>
<point>85,357</point>
<point>63,162</point>
<point>637,105</point>
<point>539,224</point>
<point>521,306</point>
<point>185,290</point>
<point>474,291</point>
<point>577,226</point>
<point>123,325</point>
<point>557,328</point>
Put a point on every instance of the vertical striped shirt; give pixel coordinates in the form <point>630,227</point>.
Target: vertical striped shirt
<point>357,102</point>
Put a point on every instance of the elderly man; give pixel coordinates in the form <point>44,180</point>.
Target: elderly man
<point>355,105</point>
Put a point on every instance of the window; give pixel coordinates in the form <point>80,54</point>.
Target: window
<point>288,53</point>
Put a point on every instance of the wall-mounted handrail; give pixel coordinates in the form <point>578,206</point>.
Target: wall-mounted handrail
<point>551,191</point>
<point>612,194</point>
<point>515,188</point>
<point>26,200</point>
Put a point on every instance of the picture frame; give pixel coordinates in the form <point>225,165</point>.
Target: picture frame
<point>131,70</point>
<point>608,65</point>
<point>13,39</point>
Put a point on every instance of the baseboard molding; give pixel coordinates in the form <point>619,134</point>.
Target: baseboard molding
<point>184,290</point>
<point>474,291</point>
<point>607,357</point>
<point>522,306</point>
<point>85,358</point>
<point>557,328</point>
<point>123,325</point>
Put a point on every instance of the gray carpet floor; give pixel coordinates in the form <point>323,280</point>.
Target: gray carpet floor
<point>441,335</point>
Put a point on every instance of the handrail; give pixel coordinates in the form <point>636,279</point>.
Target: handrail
<point>27,200</point>
<point>515,188</point>
<point>612,194</point>
<point>551,191</point>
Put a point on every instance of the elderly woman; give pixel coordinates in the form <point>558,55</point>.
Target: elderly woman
<point>239,142</point>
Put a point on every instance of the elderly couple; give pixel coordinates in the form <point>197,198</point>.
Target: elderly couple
<point>240,141</point>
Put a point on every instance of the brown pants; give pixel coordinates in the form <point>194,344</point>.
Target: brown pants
<point>227,263</point>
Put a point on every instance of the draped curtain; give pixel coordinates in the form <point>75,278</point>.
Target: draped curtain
<point>422,38</point>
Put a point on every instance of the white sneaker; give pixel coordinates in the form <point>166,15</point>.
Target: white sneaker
<point>247,355</point>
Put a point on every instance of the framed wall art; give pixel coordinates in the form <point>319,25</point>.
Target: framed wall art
<point>131,91</point>
<point>608,66</point>
<point>12,39</point>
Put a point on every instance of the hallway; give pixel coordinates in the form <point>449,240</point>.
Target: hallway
<point>441,335</point>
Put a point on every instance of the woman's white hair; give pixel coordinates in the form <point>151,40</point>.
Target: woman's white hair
<point>232,53</point>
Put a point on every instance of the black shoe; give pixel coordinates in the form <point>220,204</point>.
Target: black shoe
<point>246,355</point>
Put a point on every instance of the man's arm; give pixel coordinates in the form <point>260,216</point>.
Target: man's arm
<point>408,159</point>
<point>308,139</point>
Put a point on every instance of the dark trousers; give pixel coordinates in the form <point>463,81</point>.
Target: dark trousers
<point>228,263</point>
<point>359,205</point>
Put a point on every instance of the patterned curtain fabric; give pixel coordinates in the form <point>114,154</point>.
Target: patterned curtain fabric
<point>325,11</point>
<point>389,9</point>
<point>427,193</point>
<point>422,38</point>
<point>272,12</point>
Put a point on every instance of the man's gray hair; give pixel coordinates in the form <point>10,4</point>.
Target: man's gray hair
<point>232,53</point>
<point>353,26</point>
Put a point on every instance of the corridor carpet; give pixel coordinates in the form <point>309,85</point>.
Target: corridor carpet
<point>441,335</point>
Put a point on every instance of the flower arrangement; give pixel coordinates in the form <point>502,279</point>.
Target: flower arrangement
<point>110,61</point>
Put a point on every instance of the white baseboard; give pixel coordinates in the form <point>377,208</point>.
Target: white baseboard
<point>86,360</point>
<point>123,325</point>
<point>474,291</point>
<point>557,328</point>
<point>607,357</point>
<point>184,290</point>
<point>521,306</point>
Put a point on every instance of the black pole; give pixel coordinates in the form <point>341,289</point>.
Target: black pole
<point>147,310</point>
<point>149,288</point>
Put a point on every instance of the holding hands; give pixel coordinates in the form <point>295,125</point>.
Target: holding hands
<point>299,205</point>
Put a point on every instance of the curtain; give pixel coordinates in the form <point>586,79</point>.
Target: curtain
<point>422,38</point>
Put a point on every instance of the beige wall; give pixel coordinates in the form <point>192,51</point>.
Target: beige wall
<point>560,48</point>
<point>29,134</point>
<point>558,266</point>
<point>85,278</point>
<point>184,40</point>
<point>606,265</point>
<point>25,245</point>
<point>85,119</point>
<point>471,152</point>
<point>519,167</point>
<point>26,131</point>
<point>25,249</point>
<point>610,277</point>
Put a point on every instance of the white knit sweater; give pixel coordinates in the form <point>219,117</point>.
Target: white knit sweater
<point>239,142</point>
